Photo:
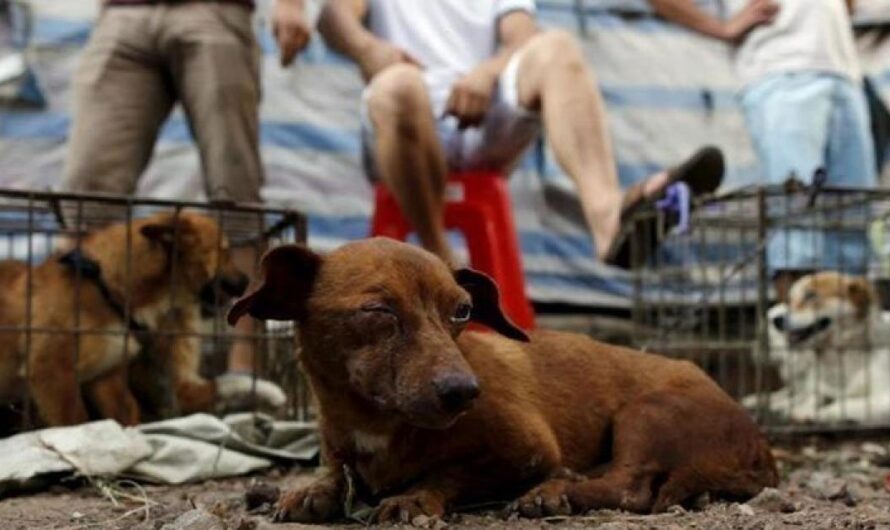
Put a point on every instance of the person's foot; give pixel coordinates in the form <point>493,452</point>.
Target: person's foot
<point>702,172</point>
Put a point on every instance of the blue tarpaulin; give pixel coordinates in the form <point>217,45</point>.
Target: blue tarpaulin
<point>667,90</point>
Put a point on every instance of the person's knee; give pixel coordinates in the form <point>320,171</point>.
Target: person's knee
<point>557,49</point>
<point>398,94</point>
<point>551,59</point>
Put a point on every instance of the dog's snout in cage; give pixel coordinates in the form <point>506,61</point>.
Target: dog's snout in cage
<point>115,308</point>
<point>776,293</point>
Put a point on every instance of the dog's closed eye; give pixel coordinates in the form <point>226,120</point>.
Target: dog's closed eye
<point>380,308</point>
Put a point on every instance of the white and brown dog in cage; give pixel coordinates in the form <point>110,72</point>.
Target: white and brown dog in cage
<point>831,344</point>
<point>122,285</point>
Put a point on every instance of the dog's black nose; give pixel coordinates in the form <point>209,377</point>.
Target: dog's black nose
<point>234,286</point>
<point>456,391</point>
<point>779,322</point>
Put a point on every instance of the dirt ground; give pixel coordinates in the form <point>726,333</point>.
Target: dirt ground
<point>825,485</point>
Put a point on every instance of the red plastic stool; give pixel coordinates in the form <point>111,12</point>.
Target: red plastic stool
<point>477,204</point>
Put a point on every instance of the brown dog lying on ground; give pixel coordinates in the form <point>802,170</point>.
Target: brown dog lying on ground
<point>427,415</point>
<point>53,365</point>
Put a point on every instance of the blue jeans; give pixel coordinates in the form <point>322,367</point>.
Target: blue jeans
<point>799,123</point>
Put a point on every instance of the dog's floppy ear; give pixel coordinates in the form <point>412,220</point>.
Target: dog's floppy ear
<point>287,275</point>
<point>164,229</point>
<point>486,303</point>
<point>861,294</point>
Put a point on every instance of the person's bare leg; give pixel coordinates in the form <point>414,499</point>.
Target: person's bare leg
<point>242,352</point>
<point>407,152</point>
<point>555,80</point>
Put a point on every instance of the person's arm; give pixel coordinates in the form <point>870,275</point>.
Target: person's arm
<point>686,13</point>
<point>471,94</point>
<point>514,30</point>
<point>341,26</point>
<point>290,28</point>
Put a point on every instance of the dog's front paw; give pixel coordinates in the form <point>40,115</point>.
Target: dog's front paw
<point>404,508</point>
<point>316,503</point>
<point>546,500</point>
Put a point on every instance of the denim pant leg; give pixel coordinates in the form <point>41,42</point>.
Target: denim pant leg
<point>850,164</point>
<point>788,118</point>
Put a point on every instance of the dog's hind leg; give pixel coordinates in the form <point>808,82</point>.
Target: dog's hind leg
<point>620,488</point>
<point>193,392</point>
<point>625,483</point>
<point>110,395</point>
<point>677,489</point>
<point>668,447</point>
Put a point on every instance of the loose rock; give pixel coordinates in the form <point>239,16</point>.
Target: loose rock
<point>773,501</point>
<point>196,520</point>
<point>826,486</point>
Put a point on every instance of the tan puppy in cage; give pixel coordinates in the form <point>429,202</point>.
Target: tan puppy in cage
<point>831,345</point>
<point>70,326</point>
<point>424,415</point>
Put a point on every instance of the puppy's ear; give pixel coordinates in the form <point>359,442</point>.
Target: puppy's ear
<point>164,229</point>
<point>287,275</point>
<point>861,294</point>
<point>486,303</point>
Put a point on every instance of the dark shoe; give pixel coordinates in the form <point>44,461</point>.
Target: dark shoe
<point>702,173</point>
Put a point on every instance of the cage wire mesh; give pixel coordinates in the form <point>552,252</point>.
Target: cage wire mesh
<point>817,360</point>
<point>131,296</point>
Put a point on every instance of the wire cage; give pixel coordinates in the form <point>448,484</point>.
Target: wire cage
<point>115,307</point>
<point>710,287</point>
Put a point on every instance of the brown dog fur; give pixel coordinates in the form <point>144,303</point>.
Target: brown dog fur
<point>42,364</point>
<point>382,334</point>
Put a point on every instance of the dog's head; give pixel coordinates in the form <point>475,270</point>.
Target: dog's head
<point>825,310</point>
<point>198,253</point>
<point>379,320</point>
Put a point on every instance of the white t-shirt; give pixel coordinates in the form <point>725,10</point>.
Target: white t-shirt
<point>448,37</point>
<point>807,35</point>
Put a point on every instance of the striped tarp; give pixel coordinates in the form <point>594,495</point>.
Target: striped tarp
<point>668,92</point>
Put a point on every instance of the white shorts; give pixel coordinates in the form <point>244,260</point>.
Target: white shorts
<point>498,143</point>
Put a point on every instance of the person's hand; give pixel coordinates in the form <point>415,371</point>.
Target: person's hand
<point>290,29</point>
<point>755,13</point>
<point>379,55</point>
<point>471,96</point>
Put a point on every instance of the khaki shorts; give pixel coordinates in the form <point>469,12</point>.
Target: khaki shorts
<point>138,63</point>
<point>497,144</point>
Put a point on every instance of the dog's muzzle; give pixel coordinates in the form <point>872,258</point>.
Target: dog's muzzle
<point>801,334</point>
<point>456,392</point>
<point>217,292</point>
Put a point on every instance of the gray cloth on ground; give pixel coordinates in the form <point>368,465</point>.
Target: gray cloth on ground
<point>188,449</point>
